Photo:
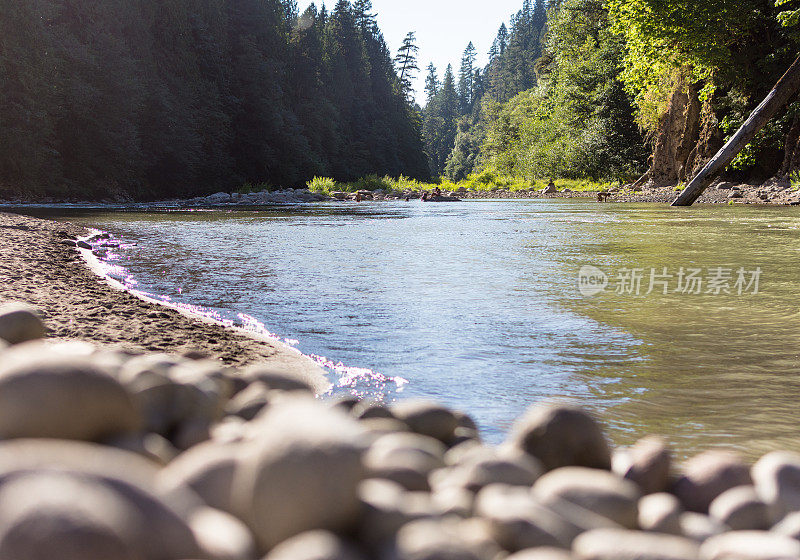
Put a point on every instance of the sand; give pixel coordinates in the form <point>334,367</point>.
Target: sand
<point>37,266</point>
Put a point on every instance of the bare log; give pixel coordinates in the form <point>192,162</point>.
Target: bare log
<point>783,91</point>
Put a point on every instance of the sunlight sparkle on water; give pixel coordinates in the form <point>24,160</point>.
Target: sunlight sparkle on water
<point>356,381</point>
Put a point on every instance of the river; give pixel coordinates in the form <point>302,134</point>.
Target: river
<point>480,305</point>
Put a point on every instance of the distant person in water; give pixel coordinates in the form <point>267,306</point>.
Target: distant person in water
<point>424,196</point>
<point>437,192</point>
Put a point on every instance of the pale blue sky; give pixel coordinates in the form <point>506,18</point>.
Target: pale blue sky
<point>444,28</point>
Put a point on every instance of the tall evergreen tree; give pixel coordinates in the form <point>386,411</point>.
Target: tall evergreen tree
<point>466,79</point>
<point>180,97</point>
<point>431,83</point>
<point>440,127</point>
<point>406,63</point>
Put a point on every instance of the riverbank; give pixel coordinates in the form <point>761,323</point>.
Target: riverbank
<point>41,266</point>
<point>721,192</point>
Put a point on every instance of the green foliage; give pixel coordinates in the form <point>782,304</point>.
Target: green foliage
<point>578,122</point>
<point>439,126</point>
<point>788,17</point>
<point>322,185</point>
<point>179,97</point>
<point>455,117</point>
<point>769,138</point>
<point>725,45</point>
<point>486,180</point>
<point>794,177</point>
<point>406,63</point>
<point>372,183</point>
<point>464,158</point>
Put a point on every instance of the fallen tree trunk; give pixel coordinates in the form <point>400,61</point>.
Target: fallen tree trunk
<point>786,87</point>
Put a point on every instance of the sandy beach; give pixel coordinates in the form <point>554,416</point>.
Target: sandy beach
<point>42,267</point>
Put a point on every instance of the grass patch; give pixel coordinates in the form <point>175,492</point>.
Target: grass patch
<point>486,180</point>
<point>322,185</point>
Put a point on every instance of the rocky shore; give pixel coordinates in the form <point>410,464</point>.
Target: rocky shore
<point>130,431</point>
<point>721,192</point>
<point>112,454</point>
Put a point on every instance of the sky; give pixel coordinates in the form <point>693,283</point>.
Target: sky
<point>443,27</point>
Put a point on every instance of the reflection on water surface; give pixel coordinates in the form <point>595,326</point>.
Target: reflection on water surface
<point>477,304</point>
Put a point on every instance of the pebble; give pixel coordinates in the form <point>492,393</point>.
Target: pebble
<point>505,466</point>
<point>648,464</point>
<point>315,545</point>
<point>369,409</point>
<point>61,493</point>
<point>660,513</point>
<point>300,473</point>
<point>427,418</point>
<point>750,545</point>
<point>72,398</point>
<point>444,539</point>
<point>777,479</point>
<point>598,491</point>
<point>91,468</point>
<point>789,526</point>
<point>708,475</point>
<point>247,404</point>
<point>20,323</point>
<point>562,436</point>
<point>618,544</point>
<point>741,509</point>
<point>700,527</point>
<point>208,469</point>
<point>518,522</point>
<point>541,553</point>
<point>221,536</point>
<point>407,466</point>
<point>385,508</point>
<point>453,501</point>
<point>279,380</point>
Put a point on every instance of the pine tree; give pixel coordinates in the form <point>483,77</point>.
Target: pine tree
<point>441,116</point>
<point>466,81</point>
<point>502,39</point>
<point>187,97</point>
<point>365,19</point>
<point>539,18</point>
<point>431,83</point>
<point>406,63</point>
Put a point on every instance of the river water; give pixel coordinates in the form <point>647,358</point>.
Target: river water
<point>479,304</point>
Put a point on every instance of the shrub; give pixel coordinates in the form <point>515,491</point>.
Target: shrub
<point>322,185</point>
<point>371,183</point>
